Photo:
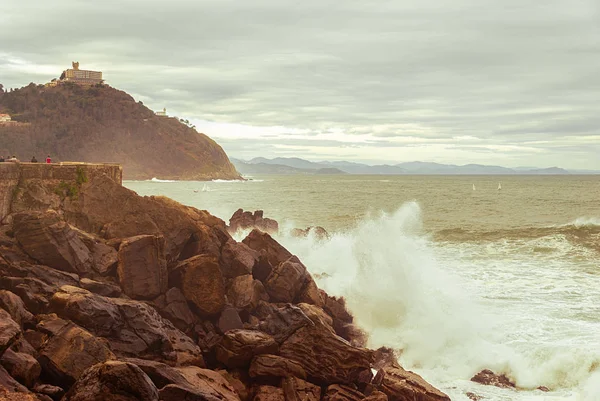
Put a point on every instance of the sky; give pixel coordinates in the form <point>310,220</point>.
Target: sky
<point>511,82</point>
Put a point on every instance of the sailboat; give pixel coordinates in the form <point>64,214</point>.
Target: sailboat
<point>499,186</point>
<point>473,187</point>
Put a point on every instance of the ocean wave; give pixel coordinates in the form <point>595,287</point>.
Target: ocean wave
<point>584,222</point>
<point>405,297</point>
<point>154,179</point>
<point>222,181</point>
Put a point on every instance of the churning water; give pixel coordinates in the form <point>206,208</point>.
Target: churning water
<point>456,279</point>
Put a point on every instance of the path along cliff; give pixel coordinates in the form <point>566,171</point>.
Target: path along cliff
<point>106,295</point>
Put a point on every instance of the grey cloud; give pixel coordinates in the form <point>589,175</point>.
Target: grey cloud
<point>503,72</point>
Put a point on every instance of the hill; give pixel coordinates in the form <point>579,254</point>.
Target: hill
<point>292,166</point>
<point>103,124</point>
<point>257,167</point>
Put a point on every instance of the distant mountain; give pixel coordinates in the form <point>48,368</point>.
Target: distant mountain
<point>294,165</point>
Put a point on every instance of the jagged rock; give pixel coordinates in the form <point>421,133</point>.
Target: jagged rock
<point>69,351</point>
<point>233,378</point>
<point>317,232</point>
<point>104,258</point>
<point>473,396</point>
<point>310,293</point>
<point>275,366</point>
<point>286,280</point>
<point>207,336</point>
<point>237,259</point>
<point>326,357</point>
<point>54,392</point>
<point>35,339</point>
<point>49,276</point>
<point>340,392</point>
<point>377,396</point>
<point>199,385</point>
<point>14,305</point>
<point>142,268</point>
<point>229,320</point>
<point>245,292</point>
<point>201,282</point>
<point>296,389</point>
<point>133,328</point>
<point>281,322</point>
<point>160,373</point>
<point>241,220</point>
<point>113,380</point>
<point>21,345</point>
<point>270,252</point>
<point>24,368</point>
<point>490,378</point>
<point>101,288</point>
<point>50,241</point>
<point>8,383</point>
<point>317,315</point>
<point>9,331</point>
<point>237,347</point>
<point>173,306</point>
<point>268,393</point>
<point>399,385</point>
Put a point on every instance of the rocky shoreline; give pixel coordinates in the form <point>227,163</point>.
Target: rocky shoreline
<point>113,296</point>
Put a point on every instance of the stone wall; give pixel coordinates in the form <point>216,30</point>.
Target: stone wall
<point>14,174</point>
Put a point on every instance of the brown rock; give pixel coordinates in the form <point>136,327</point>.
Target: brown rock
<point>245,292</point>
<point>104,258</point>
<point>101,288</point>
<point>377,396</point>
<point>326,357</point>
<point>399,385</point>
<point>281,322</point>
<point>473,396</point>
<point>200,385</point>
<point>35,338</point>
<point>268,393</point>
<point>22,345</point>
<point>286,280</point>
<point>9,331</point>
<point>34,293</point>
<point>160,373</point>
<point>142,268</point>
<point>201,282</point>
<point>339,392</point>
<point>310,293</point>
<point>49,240</point>
<point>53,392</point>
<point>271,253</point>
<point>113,380</point>
<point>234,381</point>
<point>174,306</point>
<point>318,232</point>
<point>7,383</point>
<point>13,304</point>
<point>295,389</point>
<point>237,347</point>
<point>24,368</point>
<point>237,259</point>
<point>229,320</point>
<point>275,366</point>
<point>69,351</point>
<point>490,378</point>
<point>241,220</point>
<point>317,315</point>
<point>133,328</point>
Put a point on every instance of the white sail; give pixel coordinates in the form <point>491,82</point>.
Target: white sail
<point>499,186</point>
<point>473,187</point>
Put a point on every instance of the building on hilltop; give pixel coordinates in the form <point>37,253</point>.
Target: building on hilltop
<point>162,113</point>
<point>4,118</point>
<point>81,77</point>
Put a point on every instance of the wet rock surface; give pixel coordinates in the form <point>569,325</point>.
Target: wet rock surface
<point>115,296</point>
<point>489,378</point>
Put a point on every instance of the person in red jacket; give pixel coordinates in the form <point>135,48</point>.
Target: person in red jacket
<point>48,159</point>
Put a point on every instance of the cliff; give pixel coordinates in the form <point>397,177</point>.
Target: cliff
<point>111,296</point>
<point>101,124</point>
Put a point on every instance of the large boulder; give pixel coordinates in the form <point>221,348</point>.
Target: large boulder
<point>399,385</point>
<point>339,392</point>
<point>268,393</point>
<point>282,321</point>
<point>9,384</point>
<point>270,253</point>
<point>14,305</point>
<point>286,280</point>
<point>9,331</point>
<point>325,357</point>
<point>275,366</point>
<point>296,389</point>
<point>241,220</point>
<point>489,378</point>
<point>106,289</point>
<point>245,292</point>
<point>133,328</point>
<point>237,347</point>
<point>201,282</point>
<point>173,306</point>
<point>115,381</point>
<point>142,268</point>
<point>69,351</point>
<point>50,241</point>
<point>23,367</point>
<point>199,385</point>
<point>237,259</point>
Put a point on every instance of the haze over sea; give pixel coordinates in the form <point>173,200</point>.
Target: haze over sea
<point>458,275</point>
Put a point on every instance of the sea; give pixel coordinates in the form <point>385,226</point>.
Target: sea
<point>451,271</point>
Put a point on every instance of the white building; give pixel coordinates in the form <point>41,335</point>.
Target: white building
<point>162,113</point>
<point>4,118</point>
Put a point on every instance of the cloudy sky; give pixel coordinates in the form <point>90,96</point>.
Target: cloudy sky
<point>510,82</point>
